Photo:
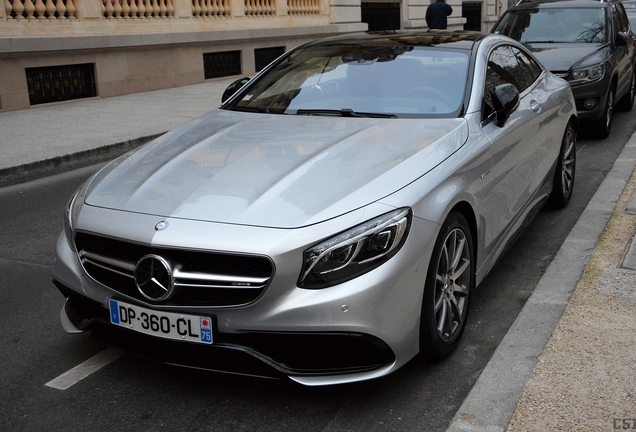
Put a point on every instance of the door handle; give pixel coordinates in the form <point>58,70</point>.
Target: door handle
<point>535,106</point>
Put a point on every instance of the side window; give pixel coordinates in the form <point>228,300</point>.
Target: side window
<point>616,23</point>
<point>622,17</point>
<point>528,67</point>
<point>503,67</point>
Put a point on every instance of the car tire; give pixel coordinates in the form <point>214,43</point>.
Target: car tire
<point>449,283</point>
<point>603,127</point>
<point>563,182</point>
<point>627,102</point>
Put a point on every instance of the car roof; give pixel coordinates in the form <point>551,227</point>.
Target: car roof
<point>460,39</point>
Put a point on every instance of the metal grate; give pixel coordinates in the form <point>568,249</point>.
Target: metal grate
<point>60,83</point>
<point>221,64</point>
<point>264,56</point>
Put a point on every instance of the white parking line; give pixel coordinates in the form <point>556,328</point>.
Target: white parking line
<point>83,370</point>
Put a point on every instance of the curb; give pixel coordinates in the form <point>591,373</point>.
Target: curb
<point>35,170</point>
<point>494,397</point>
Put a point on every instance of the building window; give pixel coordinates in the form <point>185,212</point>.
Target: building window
<point>381,16</point>
<point>472,12</point>
<point>221,64</point>
<point>264,56</point>
<point>60,83</point>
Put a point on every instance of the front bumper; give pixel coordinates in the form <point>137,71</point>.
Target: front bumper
<point>306,335</point>
<point>271,355</point>
<point>596,91</point>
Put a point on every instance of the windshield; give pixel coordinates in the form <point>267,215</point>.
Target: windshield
<point>567,25</point>
<point>355,80</point>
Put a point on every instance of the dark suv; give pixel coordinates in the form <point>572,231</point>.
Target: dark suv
<point>587,42</point>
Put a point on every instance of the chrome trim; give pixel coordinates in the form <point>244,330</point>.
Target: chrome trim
<point>229,281</point>
<point>97,264</point>
<point>108,260</point>
<point>181,278</point>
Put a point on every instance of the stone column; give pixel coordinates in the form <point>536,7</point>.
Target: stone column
<point>182,9</point>
<point>237,8</point>
<point>344,11</point>
<point>87,10</point>
<point>281,7</point>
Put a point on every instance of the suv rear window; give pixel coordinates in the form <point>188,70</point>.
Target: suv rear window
<point>552,25</point>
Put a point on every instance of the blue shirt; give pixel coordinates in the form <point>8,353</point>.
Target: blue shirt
<point>436,15</point>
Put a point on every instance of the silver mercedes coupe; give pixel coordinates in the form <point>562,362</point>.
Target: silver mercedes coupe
<point>331,219</point>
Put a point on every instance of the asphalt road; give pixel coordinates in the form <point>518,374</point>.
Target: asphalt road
<point>131,393</point>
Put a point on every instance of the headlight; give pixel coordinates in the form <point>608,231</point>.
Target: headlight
<point>356,251</point>
<point>586,75</point>
<point>72,210</point>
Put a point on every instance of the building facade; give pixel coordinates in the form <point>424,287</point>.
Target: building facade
<point>52,51</point>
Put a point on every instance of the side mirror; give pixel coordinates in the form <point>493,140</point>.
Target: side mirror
<point>621,39</point>
<point>505,98</point>
<point>233,88</point>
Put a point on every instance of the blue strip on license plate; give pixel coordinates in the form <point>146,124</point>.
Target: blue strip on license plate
<point>167,325</point>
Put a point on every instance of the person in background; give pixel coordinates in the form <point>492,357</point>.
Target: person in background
<point>436,15</point>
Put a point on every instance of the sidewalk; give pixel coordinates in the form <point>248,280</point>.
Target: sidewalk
<point>80,133</point>
<point>567,362</point>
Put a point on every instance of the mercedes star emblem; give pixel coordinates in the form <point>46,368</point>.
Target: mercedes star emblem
<point>161,226</point>
<point>153,278</point>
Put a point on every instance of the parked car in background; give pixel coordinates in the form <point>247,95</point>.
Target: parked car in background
<point>630,8</point>
<point>588,43</point>
<point>331,219</point>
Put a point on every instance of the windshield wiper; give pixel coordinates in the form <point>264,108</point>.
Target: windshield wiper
<point>248,109</point>
<point>539,41</point>
<point>344,112</point>
<point>265,110</point>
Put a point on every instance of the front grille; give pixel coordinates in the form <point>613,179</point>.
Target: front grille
<point>201,278</point>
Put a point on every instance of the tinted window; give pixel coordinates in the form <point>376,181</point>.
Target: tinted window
<point>504,66</point>
<point>528,68</point>
<point>622,15</point>
<point>621,23</point>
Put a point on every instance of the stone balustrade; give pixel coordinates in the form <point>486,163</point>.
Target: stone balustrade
<point>152,10</point>
<point>211,9</point>
<point>137,9</point>
<point>20,10</point>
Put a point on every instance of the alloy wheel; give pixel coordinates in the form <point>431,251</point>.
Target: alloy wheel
<point>452,281</point>
<point>567,163</point>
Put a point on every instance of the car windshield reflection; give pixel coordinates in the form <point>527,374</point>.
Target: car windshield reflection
<point>381,81</point>
<point>551,25</point>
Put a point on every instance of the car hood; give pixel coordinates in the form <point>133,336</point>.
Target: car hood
<point>562,57</point>
<point>274,170</point>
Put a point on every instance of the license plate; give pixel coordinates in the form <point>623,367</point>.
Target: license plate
<point>167,325</point>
